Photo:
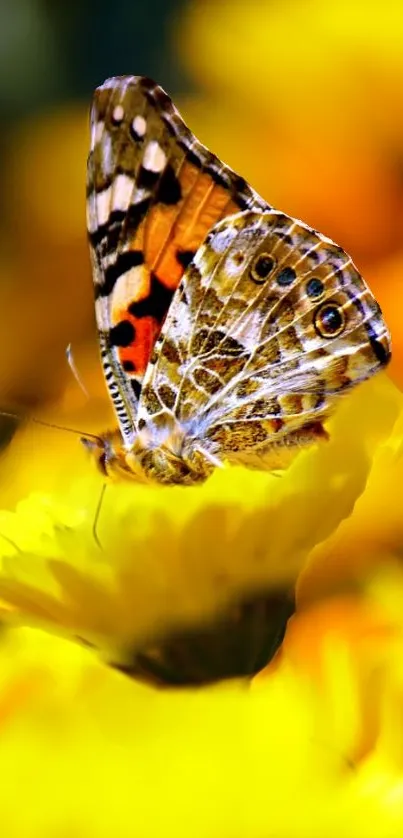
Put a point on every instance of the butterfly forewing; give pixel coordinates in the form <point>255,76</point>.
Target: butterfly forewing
<point>153,194</point>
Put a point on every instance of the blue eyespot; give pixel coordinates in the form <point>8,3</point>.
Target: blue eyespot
<point>315,288</point>
<point>286,277</point>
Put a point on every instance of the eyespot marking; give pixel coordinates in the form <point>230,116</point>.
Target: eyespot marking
<point>314,288</point>
<point>286,277</point>
<point>329,320</point>
<point>262,267</point>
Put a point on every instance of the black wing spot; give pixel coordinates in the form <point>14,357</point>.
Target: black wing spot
<point>107,235</point>
<point>169,189</point>
<point>136,387</point>
<point>115,219</point>
<point>184,257</point>
<point>147,178</point>
<point>156,304</point>
<point>128,366</point>
<point>123,334</point>
<point>381,353</point>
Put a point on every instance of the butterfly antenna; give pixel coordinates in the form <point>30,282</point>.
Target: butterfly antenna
<point>96,517</point>
<point>82,434</point>
<point>71,363</point>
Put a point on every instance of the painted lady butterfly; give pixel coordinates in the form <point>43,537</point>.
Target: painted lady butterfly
<point>227,329</point>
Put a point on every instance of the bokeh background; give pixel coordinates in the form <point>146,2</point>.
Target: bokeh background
<point>303,98</point>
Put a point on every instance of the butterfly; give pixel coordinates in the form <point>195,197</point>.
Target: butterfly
<point>227,329</point>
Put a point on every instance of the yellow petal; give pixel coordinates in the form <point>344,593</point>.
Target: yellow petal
<point>170,557</point>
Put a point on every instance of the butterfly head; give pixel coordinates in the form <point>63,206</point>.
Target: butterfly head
<point>110,456</point>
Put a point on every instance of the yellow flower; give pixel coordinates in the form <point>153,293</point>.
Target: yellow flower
<point>164,559</point>
<point>369,537</point>
<point>89,752</point>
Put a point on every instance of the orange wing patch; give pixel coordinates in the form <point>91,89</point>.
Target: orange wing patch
<point>167,237</point>
<point>172,231</point>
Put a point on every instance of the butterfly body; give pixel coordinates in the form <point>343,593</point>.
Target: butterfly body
<point>227,329</point>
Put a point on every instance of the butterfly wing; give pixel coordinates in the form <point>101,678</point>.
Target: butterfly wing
<point>153,193</point>
<point>270,323</point>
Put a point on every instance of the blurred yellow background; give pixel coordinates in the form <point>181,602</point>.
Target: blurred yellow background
<point>301,98</point>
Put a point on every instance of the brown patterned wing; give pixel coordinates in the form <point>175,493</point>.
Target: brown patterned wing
<point>153,193</point>
<point>271,322</point>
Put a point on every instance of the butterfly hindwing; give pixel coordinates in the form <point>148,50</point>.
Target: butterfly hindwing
<point>270,322</point>
<point>153,193</point>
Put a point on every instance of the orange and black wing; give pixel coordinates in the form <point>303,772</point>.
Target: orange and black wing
<point>153,194</point>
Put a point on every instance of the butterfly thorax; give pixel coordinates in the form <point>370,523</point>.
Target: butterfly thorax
<point>176,459</point>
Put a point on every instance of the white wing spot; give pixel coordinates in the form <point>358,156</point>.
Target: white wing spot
<point>122,192</point>
<point>154,158</point>
<point>221,241</point>
<point>108,163</point>
<point>118,113</point>
<point>139,125</point>
<point>92,218</point>
<point>103,205</point>
<point>132,285</point>
<point>233,265</point>
<point>97,132</point>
